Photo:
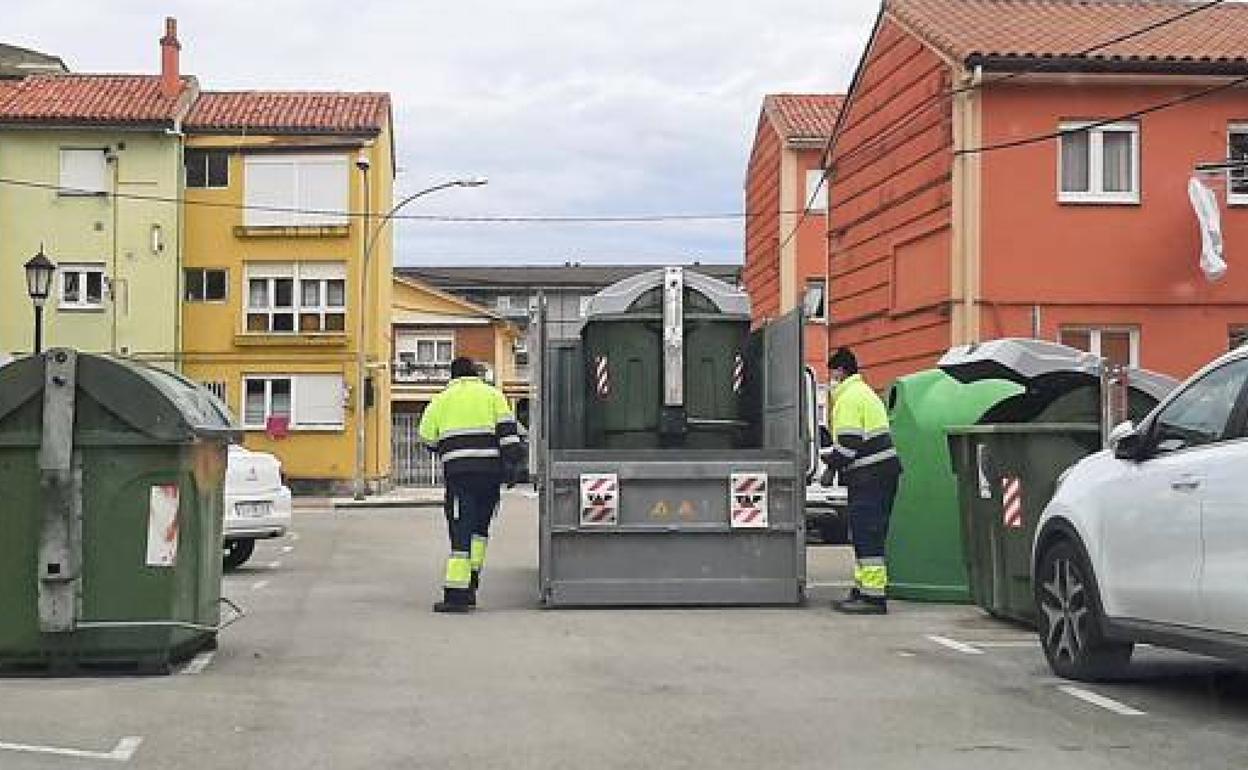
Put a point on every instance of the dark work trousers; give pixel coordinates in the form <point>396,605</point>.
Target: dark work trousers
<point>471,501</point>
<point>870,506</point>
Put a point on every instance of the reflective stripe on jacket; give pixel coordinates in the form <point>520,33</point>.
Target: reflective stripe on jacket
<point>862,447</point>
<point>471,427</point>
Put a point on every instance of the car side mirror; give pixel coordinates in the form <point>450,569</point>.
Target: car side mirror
<point>1127,442</point>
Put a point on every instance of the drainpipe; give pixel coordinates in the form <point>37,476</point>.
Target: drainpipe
<point>115,280</point>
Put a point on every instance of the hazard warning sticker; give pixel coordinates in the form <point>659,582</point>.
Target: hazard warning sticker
<point>600,499</point>
<point>162,526</point>
<point>748,500</point>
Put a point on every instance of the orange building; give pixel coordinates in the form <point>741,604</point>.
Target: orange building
<point>785,175</point>
<point>967,204</point>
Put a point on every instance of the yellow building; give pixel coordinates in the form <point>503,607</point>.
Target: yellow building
<point>431,328</point>
<point>277,185</point>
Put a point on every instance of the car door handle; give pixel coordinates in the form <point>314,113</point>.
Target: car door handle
<point>1185,484</point>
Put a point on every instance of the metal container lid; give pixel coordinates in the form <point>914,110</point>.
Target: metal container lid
<point>160,405</point>
<point>620,297</point>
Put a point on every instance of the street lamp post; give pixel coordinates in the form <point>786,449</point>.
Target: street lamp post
<point>370,241</point>
<point>39,272</point>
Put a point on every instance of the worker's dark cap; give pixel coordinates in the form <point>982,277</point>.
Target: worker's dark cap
<point>463,367</point>
<point>845,360</point>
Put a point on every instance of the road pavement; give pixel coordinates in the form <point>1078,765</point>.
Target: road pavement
<point>341,665</point>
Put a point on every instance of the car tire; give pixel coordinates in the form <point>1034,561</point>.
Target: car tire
<point>1070,620</point>
<point>237,552</point>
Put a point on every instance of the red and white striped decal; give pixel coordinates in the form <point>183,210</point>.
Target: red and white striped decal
<point>747,494</point>
<point>738,373</point>
<point>602,377</point>
<point>600,499</point>
<point>1012,493</point>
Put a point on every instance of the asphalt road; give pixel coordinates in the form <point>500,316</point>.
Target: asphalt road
<point>340,664</point>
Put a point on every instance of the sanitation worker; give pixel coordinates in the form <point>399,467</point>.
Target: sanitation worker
<point>862,453</point>
<point>471,427</point>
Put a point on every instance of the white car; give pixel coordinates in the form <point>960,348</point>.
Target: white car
<point>1148,542</point>
<point>257,503</point>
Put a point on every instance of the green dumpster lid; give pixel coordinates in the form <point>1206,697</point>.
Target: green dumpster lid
<point>158,404</point>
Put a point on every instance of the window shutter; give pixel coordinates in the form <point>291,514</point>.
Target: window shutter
<point>83,171</point>
<point>269,182</point>
<point>322,187</point>
<point>319,400</point>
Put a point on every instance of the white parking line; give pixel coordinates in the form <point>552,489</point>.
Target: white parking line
<point>956,646</point>
<point>287,548</point>
<point>259,585</point>
<point>274,565</point>
<point>1108,704</point>
<point>198,663</point>
<point>122,752</point>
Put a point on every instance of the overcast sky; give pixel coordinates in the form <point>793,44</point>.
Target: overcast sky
<point>570,107</point>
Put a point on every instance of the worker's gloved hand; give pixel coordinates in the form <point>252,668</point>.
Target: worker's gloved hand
<point>828,479</point>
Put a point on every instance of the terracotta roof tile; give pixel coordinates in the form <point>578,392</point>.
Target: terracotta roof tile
<point>289,112</point>
<point>1056,29</point>
<point>90,99</point>
<point>804,116</point>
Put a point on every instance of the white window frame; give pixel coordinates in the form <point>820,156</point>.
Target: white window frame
<point>296,423</point>
<point>823,283</point>
<point>1233,198</point>
<point>84,187</point>
<point>82,270</point>
<point>820,203</point>
<point>203,276</point>
<point>410,344</point>
<point>1094,338</point>
<point>1096,164</point>
<point>268,380</point>
<point>297,272</point>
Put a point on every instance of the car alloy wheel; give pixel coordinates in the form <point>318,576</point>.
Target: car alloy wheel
<point>1064,602</point>
<point>1070,623</point>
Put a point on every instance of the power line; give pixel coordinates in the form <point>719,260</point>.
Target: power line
<point>1050,136</point>
<point>920,110</point>
<point>1040,68</point>
<point>445,218</point>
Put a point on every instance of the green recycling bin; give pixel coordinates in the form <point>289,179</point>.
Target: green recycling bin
<point>925,559</point>
<point>114,476</point>
<point>1006,476</point>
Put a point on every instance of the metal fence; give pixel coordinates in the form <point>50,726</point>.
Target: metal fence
<point>412,462</point>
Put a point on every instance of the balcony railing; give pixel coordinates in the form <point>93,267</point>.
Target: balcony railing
<point>419,374</point>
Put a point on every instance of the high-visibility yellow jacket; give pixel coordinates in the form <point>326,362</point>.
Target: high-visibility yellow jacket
<point>471,427</point>
<point>862,448</point>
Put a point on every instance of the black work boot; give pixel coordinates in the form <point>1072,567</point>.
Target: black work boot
<point>472,589</point>
<point>858,604</point>
<point>456,600</point>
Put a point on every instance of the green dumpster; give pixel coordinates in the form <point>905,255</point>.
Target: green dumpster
<point>111,555</point>
<point>640,339</point>
<point>925,559</point>
<point>1008,465</point>
<point>1006,476</point>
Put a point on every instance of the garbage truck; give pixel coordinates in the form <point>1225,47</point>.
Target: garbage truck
<point>671,444</point>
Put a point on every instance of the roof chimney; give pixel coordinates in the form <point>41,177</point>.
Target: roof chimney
<point>170,78</point>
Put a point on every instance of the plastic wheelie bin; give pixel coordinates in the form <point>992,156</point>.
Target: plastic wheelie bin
<point>113,474</point>
<point>1008,466</point>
